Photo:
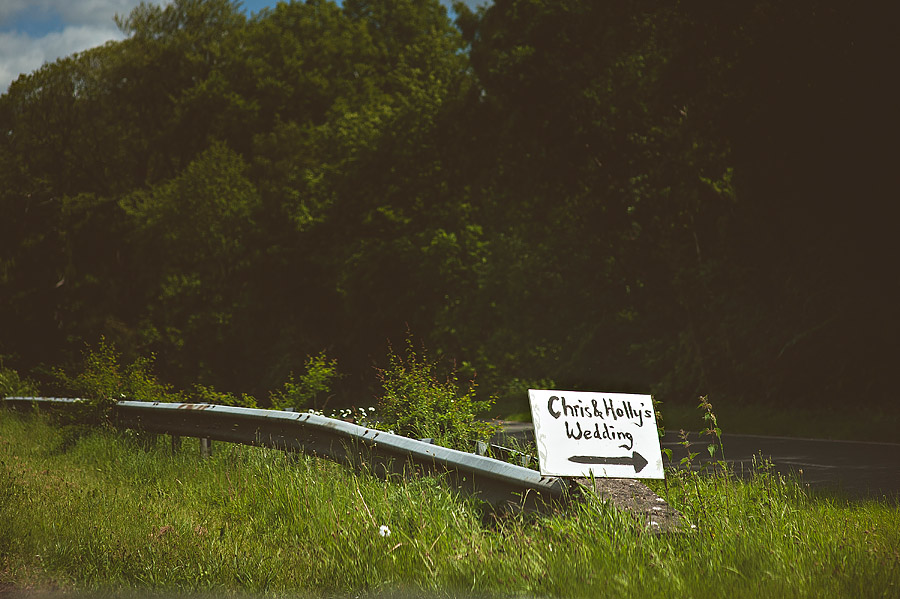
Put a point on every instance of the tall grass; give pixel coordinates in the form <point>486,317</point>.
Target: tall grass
<point>106,512</point>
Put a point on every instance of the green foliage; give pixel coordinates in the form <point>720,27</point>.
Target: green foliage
<point>608,195</point>
<point>712,429</point>
<point>415,402</point>
<point>102,380</point>
<point>12,385</point>
<point>198,226</point>
<point>315,381</point>
<point>205,394</point>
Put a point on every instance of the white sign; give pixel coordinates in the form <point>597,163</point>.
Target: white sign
<point>609,435</point>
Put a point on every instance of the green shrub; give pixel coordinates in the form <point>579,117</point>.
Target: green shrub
<point>12,385</point>
<point>302,392</point>
<point>204,394</point>
<point>102,381</point>
<point>417,404</point>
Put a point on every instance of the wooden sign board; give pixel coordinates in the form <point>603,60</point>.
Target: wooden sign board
<point>585,434</point>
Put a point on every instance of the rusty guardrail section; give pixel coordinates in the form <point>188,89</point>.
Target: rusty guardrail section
<point>501,484</point>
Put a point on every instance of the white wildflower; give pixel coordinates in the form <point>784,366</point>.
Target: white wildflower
<point>384,531</point>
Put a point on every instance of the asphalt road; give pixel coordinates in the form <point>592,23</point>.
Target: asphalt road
<point>853,468</point>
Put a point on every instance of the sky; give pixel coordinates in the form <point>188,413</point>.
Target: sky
<point>33,32</point>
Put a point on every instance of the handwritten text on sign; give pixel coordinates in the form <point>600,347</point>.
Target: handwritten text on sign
<point>601,434</point>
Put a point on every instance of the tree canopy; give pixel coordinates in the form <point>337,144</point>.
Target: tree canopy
<point>685,197</point>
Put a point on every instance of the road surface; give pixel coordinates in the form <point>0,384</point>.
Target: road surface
<point>854,468</point>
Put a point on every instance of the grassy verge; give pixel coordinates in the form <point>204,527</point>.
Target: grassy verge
<point>103,512</point>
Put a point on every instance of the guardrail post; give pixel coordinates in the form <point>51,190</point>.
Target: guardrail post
<point>205,447</point>
<point>176,443</point>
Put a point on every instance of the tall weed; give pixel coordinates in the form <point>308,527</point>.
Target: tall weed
<point>102,380</point>
<point>13,385</point>
<point>417,403</point>
<point>313,383</point>
<point>208,394</point>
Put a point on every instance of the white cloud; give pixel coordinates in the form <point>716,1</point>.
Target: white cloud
<point>85,24</point>
<point>474,5</point>
<point>79,12</point>
<point>20,53</point>
<point>11,8</point>
<point>94,11</point>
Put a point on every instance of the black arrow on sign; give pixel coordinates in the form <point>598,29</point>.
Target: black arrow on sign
<point>636,460</point>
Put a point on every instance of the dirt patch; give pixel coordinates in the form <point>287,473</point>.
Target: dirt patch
<point>636,498</point>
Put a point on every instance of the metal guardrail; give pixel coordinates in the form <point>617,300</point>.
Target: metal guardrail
<point>500,484</point>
